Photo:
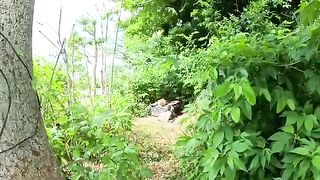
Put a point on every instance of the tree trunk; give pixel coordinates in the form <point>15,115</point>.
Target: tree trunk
<point>95,59</point>
<point>105,58</point>
<point>102,63</point>
<point>73,87</point>
<point>113,58</point>
<point>69,80</point>
<point>24,147</point>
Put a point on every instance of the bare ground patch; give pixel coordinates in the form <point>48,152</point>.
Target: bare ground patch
<point>156,140</point>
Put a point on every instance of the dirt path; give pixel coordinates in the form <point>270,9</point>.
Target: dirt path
<point>157,139</point>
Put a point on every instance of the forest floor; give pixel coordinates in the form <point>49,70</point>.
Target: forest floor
<point>156,139</point>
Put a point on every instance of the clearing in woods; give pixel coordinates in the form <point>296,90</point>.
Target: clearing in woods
<point>156,139</point>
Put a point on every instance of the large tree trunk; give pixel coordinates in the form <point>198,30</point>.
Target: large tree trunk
<point>24,147</point>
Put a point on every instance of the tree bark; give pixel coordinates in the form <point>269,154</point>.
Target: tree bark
<point>113,58</point>
<point>24,147</point>
<point>105,58</point>
<point>103,86</point>
<point>95,59</point>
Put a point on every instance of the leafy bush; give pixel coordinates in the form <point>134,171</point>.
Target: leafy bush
<point>92,145</point>
<point>90,142</point>
<point>260,111</point>
<point>254,68</point>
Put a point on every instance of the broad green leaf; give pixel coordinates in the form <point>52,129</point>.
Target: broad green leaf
<point>223,89</point>
<point>308,107</point>
<point>308,123</point>
<point>246,109</point>
<point>317,112</point>
<point>230,162</point>
<point>287,173</point>
<point>266,94</point>
<point>237,91</point>
<point>228,133</point>
<point>316,162</point>
<point>296,161</point>
<point>288,129</point>
<point>280,136</point>
<point>292,118</point>
<point>62,119</point>
<point>281,104</point>
<point>278,146</point>
<point>78,110</point>
<point>254,162</point>
<point>235,114</point>
<point>303,168</point>
<point>309,11</point>
<point>217,139</point>
<point>291,104</point>
<point>267,154</point>
<point>263,161</point>
<point>230,174</point>
<point>301,151</point>
<point>210,156</point>
<point>216,168</point>
<point>76,153</point>
<point>249,94</point>
<point>239,164</point>
<point>239,146</point>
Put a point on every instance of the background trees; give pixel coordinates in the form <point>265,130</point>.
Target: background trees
<point>247,71</point>
<point>251,68</point>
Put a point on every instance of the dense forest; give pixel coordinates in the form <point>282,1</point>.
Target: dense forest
<point>245,73</point>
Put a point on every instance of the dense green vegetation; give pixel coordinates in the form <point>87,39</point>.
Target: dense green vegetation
<point>247,71</point>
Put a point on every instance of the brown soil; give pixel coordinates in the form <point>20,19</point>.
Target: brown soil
<point>157,139</point>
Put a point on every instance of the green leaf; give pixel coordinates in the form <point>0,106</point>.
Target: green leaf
<point>230,174</point>
<point>316,162</point>
<point>301,151</point>
<point>266,94</point>
<point>235,114</point>
<point>277,147</point>
<point>217,139</point>
<point>291,104</point>
<point>210,156</point>
<point>309,12</point>
<point>288,129</point>
<point>308,107</point>
<point>239,164</point>
<point>280,136</point>
<point>254,162</point>
<point>267,154</point>
<point>292,118</point>
<point>237,91</point>
<point>223,89</point>
<point>215,169</point>
<point>239,146</point>
<point>230,162</point>
<point>303,168</point>
<point>281,104</point>
<point>317,112</point>
<point>263,161</point>
<point>249,94</point>
<point>76,153</point>
<point>287,173</point>
<point>246,109</point>
<point>308,123</point>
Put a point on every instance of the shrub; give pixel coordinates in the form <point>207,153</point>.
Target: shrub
<point>259,114</point>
